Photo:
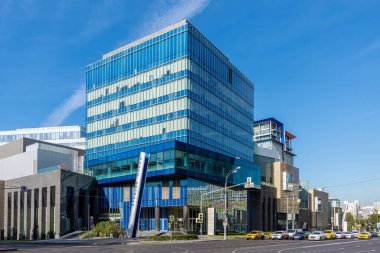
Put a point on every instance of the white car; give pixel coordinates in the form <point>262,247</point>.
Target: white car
<point>280,235</point>
<point>340,235</point>
<point>354,233</point>
<point>348,235</point>
<point>317,236</point>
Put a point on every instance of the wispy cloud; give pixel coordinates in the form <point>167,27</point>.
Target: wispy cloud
<point>167,12</point>
<point>163,13</point>
<point>375,45</point>
<point>64,110</point>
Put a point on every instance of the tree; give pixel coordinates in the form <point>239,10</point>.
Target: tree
<point>350,221</point>
<point>373,219</point>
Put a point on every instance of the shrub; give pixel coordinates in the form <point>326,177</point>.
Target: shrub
<point>104,228</point>
<point>174,237</point>
<point>86,235</point>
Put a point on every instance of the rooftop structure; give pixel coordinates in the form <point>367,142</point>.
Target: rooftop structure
<point>72,136</point>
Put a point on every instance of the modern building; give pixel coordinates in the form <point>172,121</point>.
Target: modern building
<point>25,157</point>
<point>47,205</point>
<point>319,206</point>
<point>72,136</point>
<point>335,214</point>
<point>304,217</point>
<point>366,211</point>
<point>175,96</point>
<point>279,177</point>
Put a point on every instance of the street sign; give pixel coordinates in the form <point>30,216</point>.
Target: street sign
<point>171,218</point>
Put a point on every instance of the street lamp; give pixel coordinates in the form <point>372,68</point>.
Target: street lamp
<point>225,200</point>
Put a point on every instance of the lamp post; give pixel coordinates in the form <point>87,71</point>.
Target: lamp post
<point>225,200</point>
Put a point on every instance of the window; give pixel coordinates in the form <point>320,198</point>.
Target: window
<point>229,75</point>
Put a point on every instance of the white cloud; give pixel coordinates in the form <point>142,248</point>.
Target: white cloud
<point>163,13</point>
<point>64,110</point>
<point>167,12</point>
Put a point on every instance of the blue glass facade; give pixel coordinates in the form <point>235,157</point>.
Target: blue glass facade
<point>177,97</point>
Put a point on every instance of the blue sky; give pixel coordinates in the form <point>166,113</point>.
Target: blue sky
<point>315,65</point>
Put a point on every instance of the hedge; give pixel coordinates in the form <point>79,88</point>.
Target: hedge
<point>174,237</point>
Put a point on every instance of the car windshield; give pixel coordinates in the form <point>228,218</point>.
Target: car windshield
<point>254,232</point>
<point>278,232</point>
<point>338,233</point>
<point>291,231</point>
<point>328,231</point>
<point>316,233</point>
<point>299,233</point>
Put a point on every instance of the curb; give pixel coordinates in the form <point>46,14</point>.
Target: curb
<point>8,249</point>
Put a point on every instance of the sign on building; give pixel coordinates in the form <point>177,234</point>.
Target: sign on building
<point>137,195</point>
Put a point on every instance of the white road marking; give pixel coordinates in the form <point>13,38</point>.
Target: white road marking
<point>314,246</point>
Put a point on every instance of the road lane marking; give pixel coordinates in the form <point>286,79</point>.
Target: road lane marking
<point>314,246</point>
<point>266,245</point>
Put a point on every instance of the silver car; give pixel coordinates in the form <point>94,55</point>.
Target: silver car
<point>354,234</point>
<point>348,235</point>
<point>317,236</point>
<point>340,235</point>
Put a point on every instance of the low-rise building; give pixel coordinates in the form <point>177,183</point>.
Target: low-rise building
<point>47,205</point>
<point>335,214</point>
<point>319,206</point>
<point>72,136</point>
<point>25,157</point>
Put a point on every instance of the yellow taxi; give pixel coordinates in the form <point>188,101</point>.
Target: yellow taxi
<point>330,234</point>
<point>364,235</point>
<point>255,235</point>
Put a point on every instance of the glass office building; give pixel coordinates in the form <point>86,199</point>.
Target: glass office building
<point>72,136</point>
<point>174,95</point>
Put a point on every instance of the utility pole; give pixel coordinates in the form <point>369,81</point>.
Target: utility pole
<point>287,212</point>
<point>293,213</point>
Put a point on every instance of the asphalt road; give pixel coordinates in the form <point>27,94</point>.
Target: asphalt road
<point>220,246</point>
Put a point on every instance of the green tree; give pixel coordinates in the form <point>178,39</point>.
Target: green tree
<point>350,221</point>
<point>373,220</point>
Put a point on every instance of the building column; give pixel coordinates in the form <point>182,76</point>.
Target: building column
<point>76,208</point>
<point>254,209</point>
<point>157,218</point>
<point>271,215</point>
<point>18,216</point>
<point>12,215</point>
<point>25,215</point>
<point>186,217</point>
<point>32,215</point>
<point>47,211</point>
<point>39,222</point>
<point>6,232</point>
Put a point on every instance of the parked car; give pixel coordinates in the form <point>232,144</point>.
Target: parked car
<point>364,235</point>
<point>268,235</point>
<point>299,236</point>
<point>291,232</point>
<point>280,235</point>
<point>253,235</point>
<point>317,235</point>
<point>348,235</point>
<point>340,235</point>
<point>307,233</point>
<point>354,233</point>
<point>374,234</point>
<point>330,234</point>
